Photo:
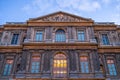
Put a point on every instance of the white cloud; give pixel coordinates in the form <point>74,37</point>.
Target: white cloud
<point>89,6</point>
<point>79,7</point>
<point>106,1</point>
<point>27,8</point>
<point>39,6</point>
<point>84,5</point>
<point>118,5</point>
<point>64,3</point>
<point>115,18</point>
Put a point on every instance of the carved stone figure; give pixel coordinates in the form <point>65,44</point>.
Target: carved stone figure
<point>61,18</point>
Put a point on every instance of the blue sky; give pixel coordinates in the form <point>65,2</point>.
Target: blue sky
<point>22,10</point>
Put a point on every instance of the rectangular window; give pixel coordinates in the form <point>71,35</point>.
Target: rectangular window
<point>14,39</point>
<point>35,64</point>
<point>8,67</point>
<point>105,39</point>
<point>84,64</point>
<point>111,67</point>
<point>39,36</point>
<point>81,35</point>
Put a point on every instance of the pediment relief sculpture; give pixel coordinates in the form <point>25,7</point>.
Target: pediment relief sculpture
<point>61,17</point>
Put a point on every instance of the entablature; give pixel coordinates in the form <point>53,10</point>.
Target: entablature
<point>108,49</point>
<point>60,24</point>
<point>11,48</point>
<point>60,46</point>
<point>104,27</point>
<point>61,79</point>
<point>16,26</point>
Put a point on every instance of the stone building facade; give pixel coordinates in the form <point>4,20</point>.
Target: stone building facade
<point>60,46</point>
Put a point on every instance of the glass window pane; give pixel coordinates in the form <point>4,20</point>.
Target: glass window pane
<point>81,36</point>
<point>105,39</point>
<point>60,66</point>
<point>84,64</point>
<point>60,36</point>
<point>39,36</point>
<point>8,67</point>
<point>35,64</point>
<point>14,39</point>
<point>111,67</point>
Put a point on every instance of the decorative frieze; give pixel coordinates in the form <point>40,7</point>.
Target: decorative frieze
<point>59,47</point>
<point>62,18</point>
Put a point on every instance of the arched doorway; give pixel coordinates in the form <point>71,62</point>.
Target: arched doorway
<point>60,66</point>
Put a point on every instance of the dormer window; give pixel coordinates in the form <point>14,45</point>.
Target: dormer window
<point>111,67</point>
<point>105,39</point>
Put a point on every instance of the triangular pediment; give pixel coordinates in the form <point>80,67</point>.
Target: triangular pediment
<point>61,17</point>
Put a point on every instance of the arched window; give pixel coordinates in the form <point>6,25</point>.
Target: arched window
<point>60,66</point>
<point>60,36</point>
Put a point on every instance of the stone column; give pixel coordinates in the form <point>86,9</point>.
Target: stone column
<point>91,63</point>
<point>23,61</point>
<point>1,62</point>
<point>28,61</point>
<point>46,64</point>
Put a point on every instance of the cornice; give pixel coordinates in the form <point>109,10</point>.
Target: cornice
<point>60,46</point>
<point>60,23</point>
<point>8,48</point>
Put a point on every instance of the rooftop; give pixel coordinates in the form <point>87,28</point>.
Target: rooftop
<point>15,22</point>
<point>104,23</point>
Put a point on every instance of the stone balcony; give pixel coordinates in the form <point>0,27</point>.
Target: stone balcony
<point>67,41</point>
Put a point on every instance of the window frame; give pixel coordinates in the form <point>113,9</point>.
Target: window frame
<point>63,36</point>
<point>36,61</point>
<point>55,75</point>
<point>82,28</point>
<point>108,39</point>
<point>88,61</point>
<point>13,43</point>
<point>115,67</point>
<point>12,65</point>
<point>81,39</point>
<point>40,31</point>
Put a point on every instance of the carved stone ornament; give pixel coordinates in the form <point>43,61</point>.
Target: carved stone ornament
<point>61,17</point>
